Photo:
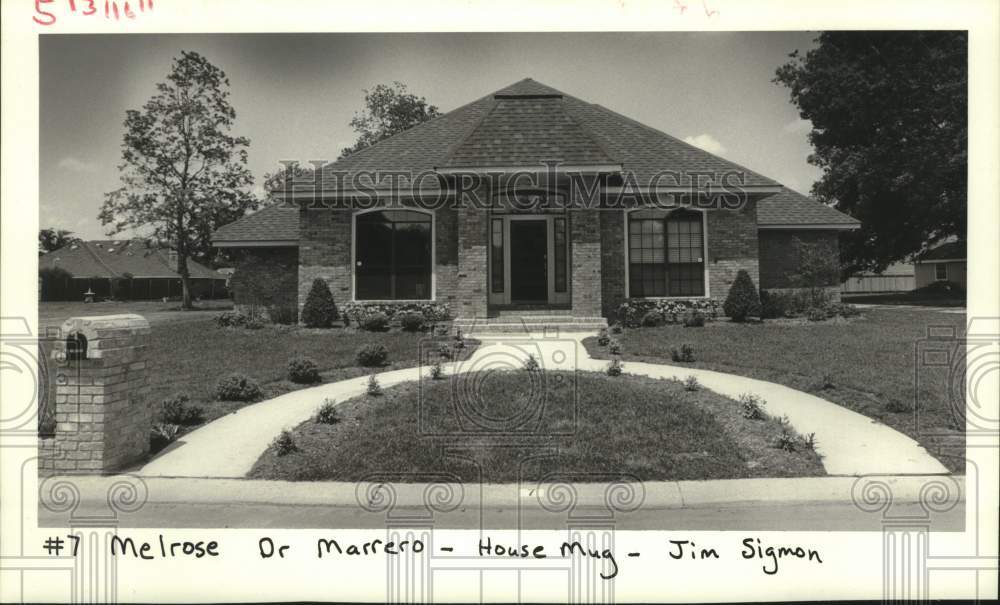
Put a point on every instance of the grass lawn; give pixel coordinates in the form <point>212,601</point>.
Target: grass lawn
<point>191,356</point>
<point>155,311</point>
<point>532,425</point>
<point>871,363</point>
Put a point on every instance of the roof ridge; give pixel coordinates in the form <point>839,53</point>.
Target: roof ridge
<point>96,257</point>
<point>408,130</point>
<point>589,133</point>
<point>673,138</point>
<point>450,152</point>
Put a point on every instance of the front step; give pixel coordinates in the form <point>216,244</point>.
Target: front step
<point>530,323</point>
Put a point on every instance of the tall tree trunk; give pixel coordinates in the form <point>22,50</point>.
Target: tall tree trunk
<point>182,269</point>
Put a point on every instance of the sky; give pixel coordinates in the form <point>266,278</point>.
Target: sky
<point>295,94</point>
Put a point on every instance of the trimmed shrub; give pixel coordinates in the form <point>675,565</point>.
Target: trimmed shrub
<point>372,355</point>
<point>684,355</point>
<point>319,311</point>
<point>691,383</point>
<point>177,411</point>
<point>374,322</point>
<point>743,300</point>
<point>531,364</point>
<point>694,319</point>
<point>652,319</point>
<point>231,319</point>
<point>602,337</point>
<point>374,388</point>
<point>411,321</point>
<point>816,314</point>
<point>631,312</point>
<point>436,372</point>
<point>327,413</point>
<point>161,435</point>
<point>237,387</point>
<point>614,347</point>
<point>614,368</point>
<point>752,406</point>
<point>445,351</point>
<point>284,444</point>
<point>302,370</point>
<point>616,328</point>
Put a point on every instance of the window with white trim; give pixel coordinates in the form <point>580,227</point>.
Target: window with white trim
<point>941,272</point>
<point>392,253</point>
<point>666,253</point>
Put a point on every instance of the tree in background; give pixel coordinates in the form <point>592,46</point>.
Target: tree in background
<point>52,239</point>
<point>183,174</point>
<point>889,117</point>
<point>388,110</point>
<point>278,181</point>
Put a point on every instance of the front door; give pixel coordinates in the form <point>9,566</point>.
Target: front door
<point>529,261</point>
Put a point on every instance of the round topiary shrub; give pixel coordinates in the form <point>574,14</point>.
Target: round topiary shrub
<point>319,311</point>
<point>302,370</point>
<point>237,387</point>
<point>743,300</point>
<point>412,321</point>
<point>372,355</point>
<point>652,319</point>
<point>374,322</point>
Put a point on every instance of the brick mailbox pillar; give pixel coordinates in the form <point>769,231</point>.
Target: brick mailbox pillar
<point>102,416</point>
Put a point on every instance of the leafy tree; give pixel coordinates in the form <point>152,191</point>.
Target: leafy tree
<point>888,110</point>
<point>276,182</point>
<point>52,239</point>
<point>388,110</point>
<point>183,174</point>
<point>743,301</point>
<point>319,310</point>
<point>817,268</point>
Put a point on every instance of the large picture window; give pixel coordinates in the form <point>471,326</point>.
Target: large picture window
<point>666,253</point>
<point>392,253</point>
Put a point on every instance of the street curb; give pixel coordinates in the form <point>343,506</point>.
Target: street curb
<point>376,496</point>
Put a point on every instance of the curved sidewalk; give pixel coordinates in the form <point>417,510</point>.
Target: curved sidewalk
<point>850,443</point>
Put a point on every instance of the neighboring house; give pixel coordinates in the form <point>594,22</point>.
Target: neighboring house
<point>897,277</point>
<point>120,269</point>
<point>509,253</point>
<point>945,262</point>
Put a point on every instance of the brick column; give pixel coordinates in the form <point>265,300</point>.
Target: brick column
<point>585,264</point>
<point>470,283</point>
<point>103,417</point>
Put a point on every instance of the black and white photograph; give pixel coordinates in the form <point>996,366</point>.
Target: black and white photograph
<point>568,314</point>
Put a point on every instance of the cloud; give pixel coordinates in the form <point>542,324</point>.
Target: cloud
<point>76,165</point>
<point>706,142</point>
<point>798,126</point>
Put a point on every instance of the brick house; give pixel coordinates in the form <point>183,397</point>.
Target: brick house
<point>527,198</point>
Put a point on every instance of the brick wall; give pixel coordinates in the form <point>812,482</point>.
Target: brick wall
<point>732,245</point>
<point>470,282</point>
<point>103,417</point>
<point>266,277</point>
<point>779,256</point>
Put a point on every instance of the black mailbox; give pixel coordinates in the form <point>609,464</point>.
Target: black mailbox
<point>76,347</point>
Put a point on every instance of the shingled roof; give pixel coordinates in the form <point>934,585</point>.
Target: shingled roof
<point>955,250</point>
<point>790,208</point>
<point>277,223</point>
<point>118,258</point>
<point>522,125</point>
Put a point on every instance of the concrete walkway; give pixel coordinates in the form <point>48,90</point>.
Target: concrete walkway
<point>850,444</point>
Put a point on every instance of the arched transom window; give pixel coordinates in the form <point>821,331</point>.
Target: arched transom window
<point>393,255</point>
<point>666,253</point>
